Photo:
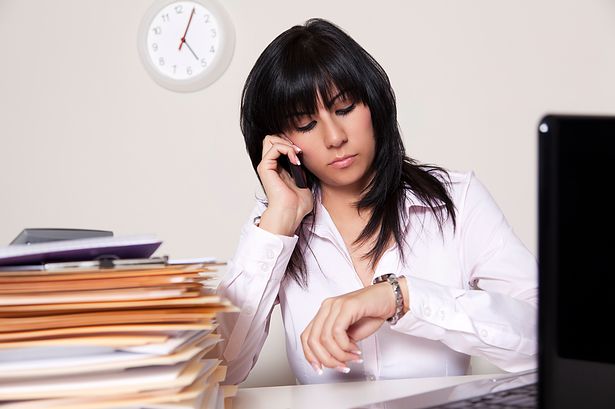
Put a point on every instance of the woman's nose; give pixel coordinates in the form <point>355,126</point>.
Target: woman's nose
<point>335,136</point>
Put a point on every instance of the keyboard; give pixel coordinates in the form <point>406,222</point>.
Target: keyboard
<point>525,397</point>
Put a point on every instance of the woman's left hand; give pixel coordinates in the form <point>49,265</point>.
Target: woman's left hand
<point>330,338</point>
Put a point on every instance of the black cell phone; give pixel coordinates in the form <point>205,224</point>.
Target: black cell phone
<point>296,171</point>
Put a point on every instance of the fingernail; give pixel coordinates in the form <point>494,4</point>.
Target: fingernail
<point>298,149</point>
<point>342,369</point>
<point>357,352</point>
<point>317,368</point>
<point>358,361</point>
<point>298,161</point>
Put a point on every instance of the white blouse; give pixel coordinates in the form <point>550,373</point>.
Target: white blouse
<point>472,290</point>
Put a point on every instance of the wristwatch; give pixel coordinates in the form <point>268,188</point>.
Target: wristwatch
<point>399,297</point>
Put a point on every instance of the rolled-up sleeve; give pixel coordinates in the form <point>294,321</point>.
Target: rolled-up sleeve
<point>252,283</point>
<point>494,316</point>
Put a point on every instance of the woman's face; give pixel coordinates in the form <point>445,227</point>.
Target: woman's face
<point>338,143</point>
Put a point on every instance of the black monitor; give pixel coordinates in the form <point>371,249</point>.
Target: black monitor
<point>576,261</point>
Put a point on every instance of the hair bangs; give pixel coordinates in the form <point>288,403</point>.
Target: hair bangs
<point>306,77</point>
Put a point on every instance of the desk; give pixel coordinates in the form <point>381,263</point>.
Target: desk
<point>342,395</point>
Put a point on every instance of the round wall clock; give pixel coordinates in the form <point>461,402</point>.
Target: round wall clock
<point>186,45</point>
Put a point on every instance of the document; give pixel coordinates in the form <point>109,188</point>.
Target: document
<point>113,360</point>
<point>203,392</point>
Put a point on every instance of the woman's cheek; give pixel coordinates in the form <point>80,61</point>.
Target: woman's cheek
<point>315,170</point>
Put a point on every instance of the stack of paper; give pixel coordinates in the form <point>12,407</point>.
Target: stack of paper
<point>131,336</point>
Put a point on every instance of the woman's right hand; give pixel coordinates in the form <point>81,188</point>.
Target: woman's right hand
<point>288,204</point>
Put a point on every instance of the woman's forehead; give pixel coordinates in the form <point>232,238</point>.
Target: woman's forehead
<point>320,103</point>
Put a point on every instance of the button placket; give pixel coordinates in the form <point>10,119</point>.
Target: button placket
<point>270,254</point>
<point>427,310</point>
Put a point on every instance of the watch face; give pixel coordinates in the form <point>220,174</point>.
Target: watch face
<point>183,40</point>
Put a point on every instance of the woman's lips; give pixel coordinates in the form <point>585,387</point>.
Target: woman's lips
<point>343,162</point>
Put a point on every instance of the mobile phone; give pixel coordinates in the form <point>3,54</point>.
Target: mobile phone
<point>296,171</point>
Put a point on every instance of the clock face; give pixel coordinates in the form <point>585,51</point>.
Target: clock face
<point>186,45</point>
<point>183,39</point>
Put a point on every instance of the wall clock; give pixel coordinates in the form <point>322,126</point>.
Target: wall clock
<point>186,45</point>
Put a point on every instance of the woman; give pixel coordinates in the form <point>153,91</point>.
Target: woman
<point>376,237</point>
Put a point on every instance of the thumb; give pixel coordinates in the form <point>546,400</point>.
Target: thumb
<point>364,328</point>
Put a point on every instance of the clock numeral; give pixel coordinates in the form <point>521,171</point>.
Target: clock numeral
<point>157,30</point>
<point>203,62</point>
<point>165,17</point>
<point>212,49</point>
<point>161,61</point>
<point>155,46</point>
<point>206,18</point>
<point>189,70</point>
<point>179,9</point>
<point>213,33</point>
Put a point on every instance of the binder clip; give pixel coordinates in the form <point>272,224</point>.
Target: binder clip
<point>106,261</point>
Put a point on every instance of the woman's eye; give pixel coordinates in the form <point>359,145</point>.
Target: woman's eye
<point>307,127</point>
<point>346,110</point>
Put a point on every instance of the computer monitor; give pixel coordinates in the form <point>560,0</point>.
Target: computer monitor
<point>576,263</point>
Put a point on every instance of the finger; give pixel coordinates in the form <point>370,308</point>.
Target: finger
<point>287,139</point>
<point>284,138</point>
<point>334,336</point>
<point>314,339</point>
<point>307,351</point>
<point>322,354</point>
<point>271,157</point>
<point>282,148</point>
<point>271,140</point>
<point>363,328</point>
<point>286,177</point>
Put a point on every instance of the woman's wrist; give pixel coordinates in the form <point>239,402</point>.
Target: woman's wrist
<point>279,222</point>
<point>398,299</point>
<point>403,284</point>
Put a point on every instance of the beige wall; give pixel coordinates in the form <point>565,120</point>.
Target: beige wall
<point>89,140</point>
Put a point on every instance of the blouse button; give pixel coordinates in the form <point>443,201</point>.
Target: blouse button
<point>483,333</point>
<point>264,266</point>
<point>427,311</point>
<point>371,378</point>
<point>270,254</point>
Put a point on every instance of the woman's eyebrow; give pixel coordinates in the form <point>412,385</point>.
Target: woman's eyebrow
<point>296,114</point>
<point>332,100</point>
<point>328,104</point>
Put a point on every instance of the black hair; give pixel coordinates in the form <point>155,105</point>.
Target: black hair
<point>319,58</point>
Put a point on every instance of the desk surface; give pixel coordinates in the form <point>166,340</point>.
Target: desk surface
<point>342,395</point>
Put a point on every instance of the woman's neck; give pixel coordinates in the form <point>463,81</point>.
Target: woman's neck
<point>341,203</point>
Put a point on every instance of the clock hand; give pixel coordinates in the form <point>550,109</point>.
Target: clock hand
<point>183,39</point>
<point>191,50</point>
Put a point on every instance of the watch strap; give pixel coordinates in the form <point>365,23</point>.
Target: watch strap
<point>399,297</point>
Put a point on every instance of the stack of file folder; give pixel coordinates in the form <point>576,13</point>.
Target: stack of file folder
<point>117,333</point>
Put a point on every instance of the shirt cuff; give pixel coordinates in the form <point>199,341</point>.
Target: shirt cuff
<point>264,253</point>
<point>433,308</point>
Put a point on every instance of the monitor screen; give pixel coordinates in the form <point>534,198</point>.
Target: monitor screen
<point>586,278</point>
<point>577,272</point>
